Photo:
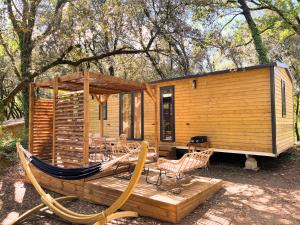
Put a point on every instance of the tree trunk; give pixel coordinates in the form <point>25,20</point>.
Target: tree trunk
<point>1,112</point>
<point>259,47</point>
<point>297,115</point>
<point>25,56</point>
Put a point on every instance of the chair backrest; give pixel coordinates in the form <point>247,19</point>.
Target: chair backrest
<point>194,160</point>
<point>121,146</point>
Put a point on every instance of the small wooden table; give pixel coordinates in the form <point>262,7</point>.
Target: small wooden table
<point>102,145</point>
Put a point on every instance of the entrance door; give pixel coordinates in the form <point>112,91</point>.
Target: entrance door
<point>131,115</point>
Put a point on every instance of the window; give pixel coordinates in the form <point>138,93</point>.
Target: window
<point>104,111</point>
<point>167,115</point>
<point>283,99</point>
<point>131,115</point>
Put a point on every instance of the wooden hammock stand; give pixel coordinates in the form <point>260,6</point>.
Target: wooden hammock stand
<point>73,217</point>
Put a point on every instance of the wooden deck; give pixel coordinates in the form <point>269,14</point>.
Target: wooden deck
<point>146,199</point>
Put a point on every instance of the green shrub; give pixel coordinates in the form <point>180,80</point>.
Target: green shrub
<point>8,147</point>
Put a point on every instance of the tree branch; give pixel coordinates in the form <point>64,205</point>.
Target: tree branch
<point>62,61</point>
<point>12,16</point>
<point>261,32</point>
<point>279,12</point>
<point>226,24</point>
<point>120,51</point>
<point>6,49</point>
<point>16,8</point>
<point>57,19</point>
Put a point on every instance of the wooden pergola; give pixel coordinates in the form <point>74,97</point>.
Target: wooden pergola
<point>86,83</point>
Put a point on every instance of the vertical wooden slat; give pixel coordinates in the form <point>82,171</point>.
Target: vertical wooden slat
<point>42,128</point>
<point>55,93</point>
<point>101,119</point>
<point>69,129</point>
<point>86,118</point>
<point>31,112</point>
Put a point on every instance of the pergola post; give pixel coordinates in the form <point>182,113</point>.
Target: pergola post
<point>101,119</point>
<point>152,92</point>
<point>156,122</point>
<point>86,94</point>
<point>31,111</point>
<point>55,93</point>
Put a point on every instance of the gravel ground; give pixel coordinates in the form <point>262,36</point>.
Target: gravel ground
<point>268,196</point>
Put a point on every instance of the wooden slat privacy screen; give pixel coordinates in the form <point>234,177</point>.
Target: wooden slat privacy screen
<point>69,129</point>
<point>42,127</point>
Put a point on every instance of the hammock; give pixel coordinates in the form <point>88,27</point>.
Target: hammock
<point>78,218</point>
<point>70,173</point>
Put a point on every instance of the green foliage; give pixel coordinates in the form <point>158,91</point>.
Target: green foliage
<point>260,49</point>
<point>292,156</point>
<point>8,147</point>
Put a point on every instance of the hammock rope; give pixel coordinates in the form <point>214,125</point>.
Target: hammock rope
<point>97,218</point>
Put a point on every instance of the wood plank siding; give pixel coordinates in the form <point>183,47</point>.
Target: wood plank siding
<point>111,124</point>
<point>232,109</point>
<point>284,124</point>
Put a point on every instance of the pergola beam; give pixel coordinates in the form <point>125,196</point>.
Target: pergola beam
<point>98,83</point>
<point>117,80</point>
<point>49,82</point>
<point>80,86</point>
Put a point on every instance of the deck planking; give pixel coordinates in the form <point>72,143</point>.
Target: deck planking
<point>147,200</point>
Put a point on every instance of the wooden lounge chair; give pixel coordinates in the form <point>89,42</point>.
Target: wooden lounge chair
<point>123,147</point>
<point>134,148</point>
<point>178,168</point>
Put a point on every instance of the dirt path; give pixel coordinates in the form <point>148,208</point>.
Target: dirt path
<point>269,196</point>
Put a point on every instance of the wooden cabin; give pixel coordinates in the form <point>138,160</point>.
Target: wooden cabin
<point>245,111</point>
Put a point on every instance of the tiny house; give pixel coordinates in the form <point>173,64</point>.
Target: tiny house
<point>245,111</point>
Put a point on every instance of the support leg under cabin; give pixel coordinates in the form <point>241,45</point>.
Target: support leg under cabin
<point>251,163</point>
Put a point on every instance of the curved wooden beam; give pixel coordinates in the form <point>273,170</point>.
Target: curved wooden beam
<point>41,207</point>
